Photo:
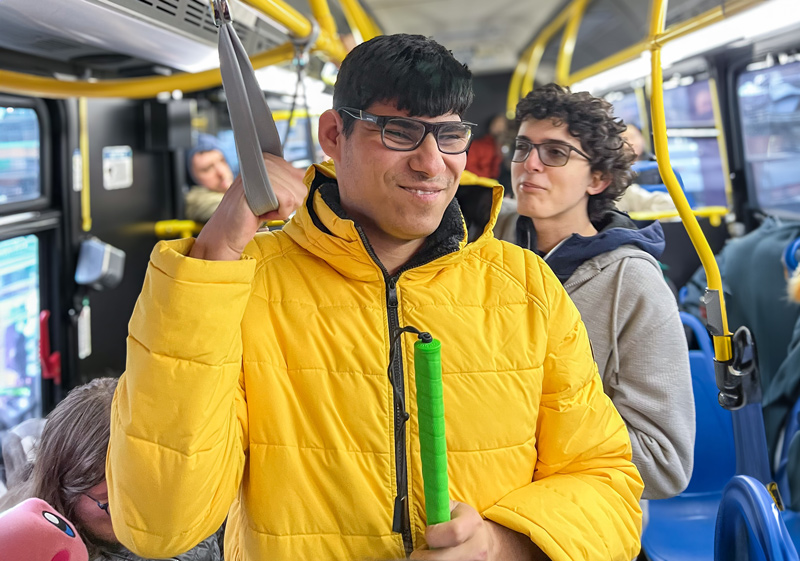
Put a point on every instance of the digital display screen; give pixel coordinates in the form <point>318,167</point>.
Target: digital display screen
<point>20,149</point>
<point>20,369</point>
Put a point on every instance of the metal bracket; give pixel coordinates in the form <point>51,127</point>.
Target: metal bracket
<point>711,300</point>
<point>220,11</point>
<point>305,44</point>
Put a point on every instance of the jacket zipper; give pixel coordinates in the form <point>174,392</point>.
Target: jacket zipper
<point>401,522</point>
<point>401,518</point>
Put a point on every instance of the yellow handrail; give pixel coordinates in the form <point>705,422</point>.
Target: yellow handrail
<point>564,62</point>
<point>674,31</point>
<point>713,213</point>
<point>83,144</point>
<point>281,12</point>
<point>537,50</point>
<point>722,340</point>
<point>138,88</point>
<point>322,13</point>
<point>359,19</point>
<point>515,86</point>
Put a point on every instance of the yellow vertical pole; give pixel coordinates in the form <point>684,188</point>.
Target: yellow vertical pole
<point>723,148</point>
<point>641,104</point>
<point>567,49</point>
<point>322,13</point>
<point>83,143</point>
<point>722,341</point>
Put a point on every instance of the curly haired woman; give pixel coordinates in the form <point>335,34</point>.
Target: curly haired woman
<point>569,167</point>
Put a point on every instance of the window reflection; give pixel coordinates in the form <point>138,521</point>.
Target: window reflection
<point>20,371</point>
<point>769,103</point>
<point>19,155</point>
<point>699,163</point>
<point>626,107</point>
<point>689,106</point>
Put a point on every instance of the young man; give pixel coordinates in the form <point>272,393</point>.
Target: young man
<point>257,369</point>
<point>210,175</point>
<point>569,166</point>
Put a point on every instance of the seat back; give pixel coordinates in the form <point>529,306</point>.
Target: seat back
<point>714,453</point>
<point>649,178</point>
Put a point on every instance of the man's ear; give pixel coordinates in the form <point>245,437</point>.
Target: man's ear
<point>598,184</point>
<point>331,133</point>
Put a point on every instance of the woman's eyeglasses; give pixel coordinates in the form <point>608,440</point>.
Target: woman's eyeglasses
<point>101,506</point>
<point>552,154</point>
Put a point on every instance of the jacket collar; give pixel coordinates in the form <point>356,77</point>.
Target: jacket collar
<point>322,227</point>
<point>614,230</point>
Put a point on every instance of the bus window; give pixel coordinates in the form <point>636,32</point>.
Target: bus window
<point>699,163</point>
<point>20,370</point>
<point>689,106</point>
<point>769,105</point>
<point>626,107</point>
<point>19,155</point>
<point>693,140</point>
<point>681,10</point>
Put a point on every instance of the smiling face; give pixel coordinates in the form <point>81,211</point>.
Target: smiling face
<point>554,194</point>
<point>396,197</point>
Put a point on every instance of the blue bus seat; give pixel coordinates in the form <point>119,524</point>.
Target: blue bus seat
<point>749,525</point>
<point>692,515</point>
<point>649,178</point>
<point>781,475</point>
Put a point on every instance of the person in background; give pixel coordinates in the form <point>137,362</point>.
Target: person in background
<point>210,176</point>
<point>485,155</point>
<point>571,163</point>
<point>296,415</point>
<point>636,198</point>
<point>69,473</point>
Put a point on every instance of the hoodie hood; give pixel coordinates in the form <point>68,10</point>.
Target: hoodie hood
<point>614,230</point>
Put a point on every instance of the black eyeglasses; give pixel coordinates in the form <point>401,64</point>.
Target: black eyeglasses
<point>552,154</point>
<point>101,506</point>
<point>405,134</point>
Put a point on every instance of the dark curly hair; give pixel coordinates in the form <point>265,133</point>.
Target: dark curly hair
<point>591,120</point>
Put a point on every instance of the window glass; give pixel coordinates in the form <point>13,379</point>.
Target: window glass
<point>769,104</point>
<point>20,370</point>
<point>682,10</point>
<point>608,27</point>
<point>626,107</point>
<point>689,106</point>
<point>295,148</point>
<point>19,155</point>
<point>698,162</point>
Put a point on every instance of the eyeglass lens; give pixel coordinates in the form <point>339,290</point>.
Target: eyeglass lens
<point>550,153</point>
<point>405,134</point>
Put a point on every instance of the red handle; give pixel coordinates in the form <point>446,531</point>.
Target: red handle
<point>51,362</point>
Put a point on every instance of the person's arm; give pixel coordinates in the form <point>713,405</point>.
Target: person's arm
<point>583,502</point>
<point>651,385</point>
<point>179,419</point>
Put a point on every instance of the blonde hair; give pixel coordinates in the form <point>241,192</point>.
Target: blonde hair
<point>794,286</point>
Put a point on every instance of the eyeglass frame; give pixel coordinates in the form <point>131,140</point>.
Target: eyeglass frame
<point>430,128</point>
<point>101,506</point>
<point>534,145</point>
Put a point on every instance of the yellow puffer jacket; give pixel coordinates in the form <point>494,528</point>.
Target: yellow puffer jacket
<point>263,383</point>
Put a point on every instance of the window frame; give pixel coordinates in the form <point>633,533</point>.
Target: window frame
<point>44,199</point>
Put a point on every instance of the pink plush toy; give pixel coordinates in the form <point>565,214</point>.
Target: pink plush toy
<point>34,531</point>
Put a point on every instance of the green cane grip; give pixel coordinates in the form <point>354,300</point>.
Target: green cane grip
<point>433,447</point>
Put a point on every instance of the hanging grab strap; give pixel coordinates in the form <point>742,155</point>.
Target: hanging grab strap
<point>253,126</point>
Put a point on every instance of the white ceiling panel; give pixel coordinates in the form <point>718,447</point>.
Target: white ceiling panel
<point>487,35</point>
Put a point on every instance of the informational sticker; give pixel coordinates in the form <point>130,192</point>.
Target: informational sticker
<point>117,167</point>
<point>77,170</point>
<point>85,330</point>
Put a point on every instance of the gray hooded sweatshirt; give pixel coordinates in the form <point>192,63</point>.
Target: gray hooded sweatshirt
<point>637,338</point>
